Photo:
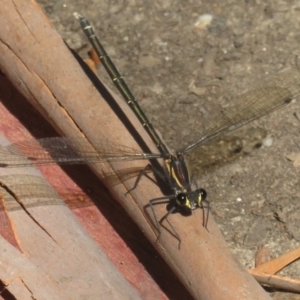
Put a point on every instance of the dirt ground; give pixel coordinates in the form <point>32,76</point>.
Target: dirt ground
<point>182,58</point>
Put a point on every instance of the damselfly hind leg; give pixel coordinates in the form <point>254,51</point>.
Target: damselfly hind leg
<point>159,223</point>
<point>148,168</point>
<point>141,174</point>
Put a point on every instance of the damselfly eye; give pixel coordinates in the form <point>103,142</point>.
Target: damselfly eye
<point>203,194</point>
<point>181,199</point>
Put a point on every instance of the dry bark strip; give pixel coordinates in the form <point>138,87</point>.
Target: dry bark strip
<point>265,272</point>
<point>56,258</point>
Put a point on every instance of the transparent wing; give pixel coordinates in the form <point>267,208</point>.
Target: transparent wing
<point>272,94</point>
<point>66,150</point>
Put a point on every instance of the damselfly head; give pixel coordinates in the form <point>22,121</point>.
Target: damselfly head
<point>191,200</point>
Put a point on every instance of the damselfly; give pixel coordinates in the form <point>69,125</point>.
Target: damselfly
<point>274,93</point>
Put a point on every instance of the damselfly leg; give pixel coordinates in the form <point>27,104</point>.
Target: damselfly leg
<point>179,203</point>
